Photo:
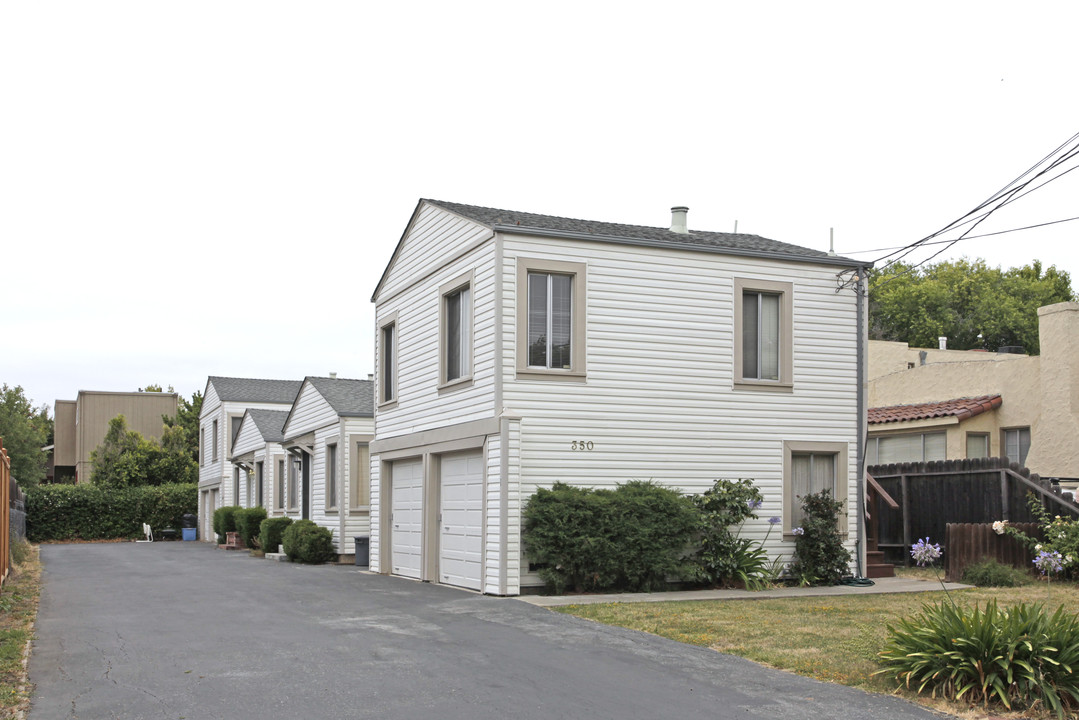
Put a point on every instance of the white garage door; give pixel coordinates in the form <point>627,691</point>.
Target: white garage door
<point>460,559</point>
<point>407,507</point>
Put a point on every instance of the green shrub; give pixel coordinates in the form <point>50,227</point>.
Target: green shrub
<point>1020,657</point>
<point>307,542</point>
<point>630,538</point>
<point>1061,535</point>
<point>990,573</point>
<point>225,521</point>
<point>270,531</point>
<point>819,555</point>
<point>90,512</point>
<point>724,557</point>
<point>248,524</point>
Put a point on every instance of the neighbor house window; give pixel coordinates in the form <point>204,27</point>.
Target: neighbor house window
<point>331,477</point>
<point>293,480</point>
<point>235,486</point>
<point>977,445</point>
<point>387,365</point>
<point>455,355</point>
<point>258,484</point>
<point>808,468</point>
<point>550,318</point>
<point>215,441</point>
<point>1017,444</point>
<point>359,482</point>
<point>912,447</point>
<point>234,427</point>
<point>764,336</point>
<point>279,485</point>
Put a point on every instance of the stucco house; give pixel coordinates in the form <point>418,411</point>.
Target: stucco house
<point>224,403</point>
<point>327,434</point>
<point>515,350</point>
<point>937,404</point>
<point>258,454</point>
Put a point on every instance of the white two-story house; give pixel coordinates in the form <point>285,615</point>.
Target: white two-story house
<point>224,402</point>
<point>516,350</point>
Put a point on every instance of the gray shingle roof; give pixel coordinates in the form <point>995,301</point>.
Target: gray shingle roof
<point>733,243</point>
<point>270,423</point>
<point>254,390</point>
<point>348,398</point>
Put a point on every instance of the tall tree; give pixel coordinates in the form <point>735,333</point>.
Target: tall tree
<point>973,305</point>
<point>25,430</point>
<point>125,458</point>
<point>187,417</point>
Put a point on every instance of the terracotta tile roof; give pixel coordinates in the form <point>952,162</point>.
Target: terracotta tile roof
<point>961,408</point>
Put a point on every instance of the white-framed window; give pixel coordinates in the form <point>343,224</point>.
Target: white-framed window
<point>359,489</point>
<point>808,468</point>
<point>279,484</point>
<point>1017,444</point>
<point>551,318</point>
<point>909,447</point>
<point>387,360</point>
<point>977,445</point>
<point>331,476</point>
<point>763,333</point>
<point>455,332</point>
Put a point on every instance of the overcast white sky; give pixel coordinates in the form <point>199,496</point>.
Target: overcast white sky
<point>202,188</point>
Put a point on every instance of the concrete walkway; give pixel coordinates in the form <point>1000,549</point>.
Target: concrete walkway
<point>881,586</point>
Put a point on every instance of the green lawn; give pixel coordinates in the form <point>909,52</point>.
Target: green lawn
<point>829,638</point>
<point>18,610</point>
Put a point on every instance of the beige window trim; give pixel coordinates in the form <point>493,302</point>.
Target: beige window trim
<point>385,402</point>
<point>461,282</point>
<point>359,489</point>
<point>785,291</point>
<point>578,317</point>
<point>795,447</point>
<point>331,471</point>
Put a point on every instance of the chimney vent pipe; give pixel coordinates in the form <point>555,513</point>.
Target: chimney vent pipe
<point>678,219</point>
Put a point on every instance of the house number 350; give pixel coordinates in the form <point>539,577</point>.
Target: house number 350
<point>581,445</point>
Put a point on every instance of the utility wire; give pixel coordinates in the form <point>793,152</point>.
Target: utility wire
<point>968,237</point>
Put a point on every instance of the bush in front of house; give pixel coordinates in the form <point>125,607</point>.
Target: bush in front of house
<point>1020,657</point>
<point>819,555</point>
<point>631,538</point>
<point>307,542</point>
<point>91,512</point>
<point>1061,534</point>
<point>991,573</point>
<point>248,524</point>
<point>225,521</point>
<point>270,531</point>
<point>725,558</point>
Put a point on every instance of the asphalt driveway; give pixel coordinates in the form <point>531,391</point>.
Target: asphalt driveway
<point>181,630</point>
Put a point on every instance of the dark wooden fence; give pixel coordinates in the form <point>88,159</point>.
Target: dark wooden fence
<point>970,543</point>
<point>931,495</point>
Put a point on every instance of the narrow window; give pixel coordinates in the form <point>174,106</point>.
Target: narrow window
<point>236,486</point>
<point>331,477</point>
<point>293,476</point>
<point>215,441</point>
<point>457,340</point>
<point>760,335</point>
<point>388,367</point>
<point>359,491</point>
<point>279,486</point>
<point>550,320</point>
<point>234,427</point>
<point>258,485</point>
<point>1017,444</point>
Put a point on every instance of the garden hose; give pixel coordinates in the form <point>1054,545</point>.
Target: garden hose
<point>856,582</point>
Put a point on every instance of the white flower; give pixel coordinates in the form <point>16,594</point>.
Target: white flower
<point>1038,546</point>
<point>998,526</point>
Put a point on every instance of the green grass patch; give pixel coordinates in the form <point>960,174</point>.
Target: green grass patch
<point>18,610</point>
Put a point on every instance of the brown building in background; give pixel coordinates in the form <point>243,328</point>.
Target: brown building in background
<point>81,425</point>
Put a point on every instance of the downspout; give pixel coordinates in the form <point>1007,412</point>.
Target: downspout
<point>861,294</point>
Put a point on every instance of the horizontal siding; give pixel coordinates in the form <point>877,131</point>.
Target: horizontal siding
<point>659,402</point>
<point>355,523</point>
<point>375,522</point>
<point>309,412</point>
<point>220,471</point>
<point>492,518</point>
<point>420,405</point>
<point>249,438</point>
<point>328,520</point>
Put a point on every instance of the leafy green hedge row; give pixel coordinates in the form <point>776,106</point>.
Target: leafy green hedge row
<point>91,512</point>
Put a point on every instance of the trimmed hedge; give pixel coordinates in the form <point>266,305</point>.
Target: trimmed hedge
<point>91,512</point>
<point>633,538</point>
<point>307,542</point>
<point>225,521</point>
<point>270,532</point>
<point>248,524</point>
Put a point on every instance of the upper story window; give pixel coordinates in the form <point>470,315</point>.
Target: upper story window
<point>215,435</point>
<point>764,334</point>
<point>1017,444</point>
<point>455,334</point>
<point>387,360</point>
<point>550,318</point>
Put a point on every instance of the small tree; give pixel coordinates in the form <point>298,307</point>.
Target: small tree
<point>125,458</point>
<point>724,556</point>
<point>24,429</point>
<point>819,555</point>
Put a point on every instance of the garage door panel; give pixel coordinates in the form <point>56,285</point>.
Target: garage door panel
<point>407,508</point>
<point>461,529</point>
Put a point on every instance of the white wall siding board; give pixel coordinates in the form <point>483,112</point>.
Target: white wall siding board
<point>420,404</point>
<point>356,523</point>
<point>375,519</point>
<point>310,411</point>
<point>493,558</point>
<point>513,508</point>
<point>659,402</point>
<point>249,438</point>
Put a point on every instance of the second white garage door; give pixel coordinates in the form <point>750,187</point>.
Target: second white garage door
<point>460,560</point>
<point>407,508</point>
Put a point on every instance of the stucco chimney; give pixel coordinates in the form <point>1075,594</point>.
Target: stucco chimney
<point>1053,450</point>
<point>333,376</point>
<point>678,219</point>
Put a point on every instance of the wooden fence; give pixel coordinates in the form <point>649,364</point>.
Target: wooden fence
<point>5,513</point>
<point>928,496</point>
<point>970,543</point>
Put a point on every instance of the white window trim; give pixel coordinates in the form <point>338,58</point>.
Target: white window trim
<point>579,352</point>
<point>461,282</point>
<point>785,291</point>
<point>842,480</point>
<point>388,320</point>
<point>1004,442</point>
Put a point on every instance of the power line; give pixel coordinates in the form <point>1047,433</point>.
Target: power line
<point>968,237</point>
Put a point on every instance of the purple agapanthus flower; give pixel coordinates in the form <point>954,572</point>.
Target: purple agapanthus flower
<point>775,520</point>
<point>754,504</point>
<point>1047,562</point>
<point>798,531</point>
<point>924,553</point>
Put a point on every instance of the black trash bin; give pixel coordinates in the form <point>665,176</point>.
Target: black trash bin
<point>363,551</point>
<point>189,520</point>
